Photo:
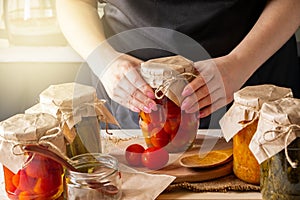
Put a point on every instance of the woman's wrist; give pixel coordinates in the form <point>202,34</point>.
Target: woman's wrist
<point>234,71</point>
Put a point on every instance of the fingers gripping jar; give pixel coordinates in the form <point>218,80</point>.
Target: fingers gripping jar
<point>79,112</point>
<point>276,146</point>
<point>169,126</point>
<point>240,123</point>
<point>29,175</point>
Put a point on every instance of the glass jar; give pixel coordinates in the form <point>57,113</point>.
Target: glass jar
<point>40,178</point>
<point>169,126</point>
<point>98,178</point>
<point>240,124</point>
<point>79,112</point>
<point>276,146</point>
<point>28,175</point>
<point>245,165</point>
<point>279,180</point>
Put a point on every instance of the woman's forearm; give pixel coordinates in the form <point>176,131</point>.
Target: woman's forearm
<point>81,25</point>
<point>277,23</point>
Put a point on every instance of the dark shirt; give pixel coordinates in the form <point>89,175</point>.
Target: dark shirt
<point>196,29</point>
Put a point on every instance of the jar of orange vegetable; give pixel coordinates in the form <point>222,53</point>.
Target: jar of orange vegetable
<point>29,175</point>
<point>169,126</point>
<point>240,123</point>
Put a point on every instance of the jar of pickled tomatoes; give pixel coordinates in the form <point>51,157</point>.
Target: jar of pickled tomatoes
<point>29,175</point>
<point>240,123</point>
<point>169,126</point>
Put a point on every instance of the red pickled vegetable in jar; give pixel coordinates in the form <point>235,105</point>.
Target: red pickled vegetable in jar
<point>169,127</point>
<point>28,175</point>
<point>40,178</point>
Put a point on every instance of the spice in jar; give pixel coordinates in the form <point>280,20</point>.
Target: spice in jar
<point>276,146</point>
<point>169,126</point>
<point>28,175</point>
<point>79,112</point>
<point>240,123</point>
<point>98,177</point>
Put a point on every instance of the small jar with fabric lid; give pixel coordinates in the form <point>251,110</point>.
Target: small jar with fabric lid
<point>79,112</point>
<point>28,175</point>
<point>276,146</point>
<point>98,177</point>
<point>169,126</point>
<point>240,123</point>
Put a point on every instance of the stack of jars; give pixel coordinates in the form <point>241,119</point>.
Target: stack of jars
<point>240,123</point>
<point>66,121</point>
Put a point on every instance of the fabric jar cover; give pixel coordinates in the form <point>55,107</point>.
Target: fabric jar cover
<point>169,75</point>
<point>70,102</point>
<point>22,129</point>
<point>278,126</point>
<point>247,104</point>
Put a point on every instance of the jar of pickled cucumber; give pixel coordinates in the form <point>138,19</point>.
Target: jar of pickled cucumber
<point>169,126</point>
<point>240,123</point>
<point>79,112</point>
<point>276,146</point>
<point>98,178</point>
<point>29,175</point>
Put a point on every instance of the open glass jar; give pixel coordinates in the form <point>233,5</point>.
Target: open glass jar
<point>98,178</point>
<point>169,126</point>
<point>240,123</point>
<point>28,175</point>
<point>276,146</point>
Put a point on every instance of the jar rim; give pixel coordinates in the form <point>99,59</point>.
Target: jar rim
<point>89,160</point>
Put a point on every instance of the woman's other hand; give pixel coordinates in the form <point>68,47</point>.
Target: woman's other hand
<point>213,88</point>
<point>124,84</point>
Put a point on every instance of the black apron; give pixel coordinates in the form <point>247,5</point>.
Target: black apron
<point>154,28</point>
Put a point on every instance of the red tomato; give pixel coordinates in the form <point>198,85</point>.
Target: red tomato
<point>37,168</point>
<point>171,125</point>
<point>155,158</point>
<point>8,177</point>
<point>26,183</point>
<point>133,154</point>
<point>172,109</point>
<point>160,139</point>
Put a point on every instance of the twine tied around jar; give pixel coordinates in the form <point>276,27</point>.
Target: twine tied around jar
<point>43,141</point>
<point>102,115</point>
<point>280,132</point>
<point>164,87</point>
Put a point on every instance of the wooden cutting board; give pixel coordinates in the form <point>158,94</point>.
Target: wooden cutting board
<point>184,174</point>
<point>174,168</point>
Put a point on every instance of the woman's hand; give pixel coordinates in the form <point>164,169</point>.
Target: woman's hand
<point>213,88</point>
<point>124,84</point>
